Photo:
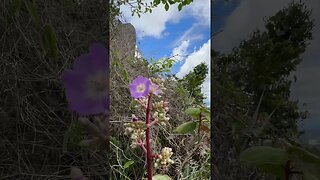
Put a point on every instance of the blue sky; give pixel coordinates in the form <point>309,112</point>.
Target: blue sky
<point>183,34</point>
<point>239,18</point>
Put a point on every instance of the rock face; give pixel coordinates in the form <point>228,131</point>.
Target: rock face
<point>122,41</point>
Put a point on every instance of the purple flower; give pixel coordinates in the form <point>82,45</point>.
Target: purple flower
<point>87,84</point>
<point>140,87</point>
<point>155,89</point>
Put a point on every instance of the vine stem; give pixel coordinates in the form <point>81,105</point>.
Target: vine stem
<point>148,142</point>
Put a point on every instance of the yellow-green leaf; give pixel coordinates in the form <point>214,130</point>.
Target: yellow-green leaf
<point>128,164</point>
<point>161,177</point>
<point>194,112</point>
<point>186,127</point>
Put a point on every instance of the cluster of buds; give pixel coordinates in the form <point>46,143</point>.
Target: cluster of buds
<point>137,131</point>
<point>160,115</point>
<point>143,102</point>
<point>164,159</point>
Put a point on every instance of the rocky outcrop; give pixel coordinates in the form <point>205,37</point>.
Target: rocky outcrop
<point>122,41</point>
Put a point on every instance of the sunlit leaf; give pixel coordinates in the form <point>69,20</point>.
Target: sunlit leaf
<point>194,112</point>
<point>186,127</point>
<point>128,164</point>
<point>161,177</point>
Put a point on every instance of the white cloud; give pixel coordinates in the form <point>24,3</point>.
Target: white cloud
<point>154,24</point>
<point>180,52</point>
<point>194,59</point>
<point>192,35</point>
<point>200,9</point>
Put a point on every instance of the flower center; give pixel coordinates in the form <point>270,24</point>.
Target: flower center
<point>141,88</point>
<point>97,85</point>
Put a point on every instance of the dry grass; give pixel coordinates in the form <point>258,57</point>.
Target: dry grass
<point>38,133</point>
<point>34,114</point>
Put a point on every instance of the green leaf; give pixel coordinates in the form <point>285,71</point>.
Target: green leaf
<point>49,41</point>
<point>171,2</point>
<point>189,1</point>
<point>206,112</point>
<point>33,13</point>
<point>156,2</point>
<point>186,127</point>
<point>128,164</point>
<point>262,155</point>
<point>304,155</point>
<point>180,6</point>
<point>166,6</point>
<point>194,112</point>
<point>161,177</point>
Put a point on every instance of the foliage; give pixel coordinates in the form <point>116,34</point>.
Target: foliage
<point>201,114</point>
<point>286,163</point>
<point>139,7</point>
<point>161,66</point>
<point>193,81</point>
<point>252,85</point>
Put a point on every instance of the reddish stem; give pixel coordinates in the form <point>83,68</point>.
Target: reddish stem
<point>152,123</point>
<point>143,147</point>
<point>148,143</point>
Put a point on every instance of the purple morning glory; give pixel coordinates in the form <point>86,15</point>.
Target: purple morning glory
<point>140,87</point>
<point>87,84</point>
<point>155,89</point>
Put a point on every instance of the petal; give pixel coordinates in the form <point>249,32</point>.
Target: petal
<point>74,84</point>
<point>99,56</point>
<point>87,106</point>
<point>83,64</point>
